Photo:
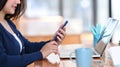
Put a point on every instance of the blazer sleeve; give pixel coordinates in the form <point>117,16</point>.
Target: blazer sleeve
<point>17,60</point>
<point>32,46</point>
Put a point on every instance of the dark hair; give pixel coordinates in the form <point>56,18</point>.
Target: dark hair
<point>18,12</point>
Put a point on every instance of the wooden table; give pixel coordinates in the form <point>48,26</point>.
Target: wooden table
<point>63,63</point>
<point>97,62</point>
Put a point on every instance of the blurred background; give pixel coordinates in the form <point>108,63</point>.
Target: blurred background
<point>43,17</point>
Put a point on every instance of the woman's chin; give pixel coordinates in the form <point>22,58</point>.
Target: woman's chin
<point>11,12</point>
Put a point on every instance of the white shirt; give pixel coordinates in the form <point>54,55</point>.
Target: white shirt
<point>19,41</point>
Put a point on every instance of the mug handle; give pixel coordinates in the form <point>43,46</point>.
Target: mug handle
<point>71,57</point>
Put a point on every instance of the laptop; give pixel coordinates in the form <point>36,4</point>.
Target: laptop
<point>109,29</point>
<point>101,45</point>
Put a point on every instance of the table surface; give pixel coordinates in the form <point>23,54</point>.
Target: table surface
<point>97,62</point>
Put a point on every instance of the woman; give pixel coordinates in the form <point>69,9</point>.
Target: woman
<point>15,50</point>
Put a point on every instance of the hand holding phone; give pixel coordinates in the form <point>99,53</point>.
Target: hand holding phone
<point>52,58</point>
<point>55,37</point>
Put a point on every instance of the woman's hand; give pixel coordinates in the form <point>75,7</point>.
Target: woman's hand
<point>60,35</point>
<point>50,47</point>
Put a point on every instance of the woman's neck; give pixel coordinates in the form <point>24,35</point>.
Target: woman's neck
<point>2,16</point>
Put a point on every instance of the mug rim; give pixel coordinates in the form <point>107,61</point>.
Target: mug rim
<point>83,49</point>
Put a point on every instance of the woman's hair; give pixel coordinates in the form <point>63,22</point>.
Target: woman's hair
<point>18,12</point>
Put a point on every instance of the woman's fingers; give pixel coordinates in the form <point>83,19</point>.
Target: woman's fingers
<point>61,35</point>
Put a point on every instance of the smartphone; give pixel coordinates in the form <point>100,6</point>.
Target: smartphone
<point>64,24</point>
<point>55,37</point>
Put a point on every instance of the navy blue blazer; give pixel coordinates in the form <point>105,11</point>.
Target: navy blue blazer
<point>10,55</point>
